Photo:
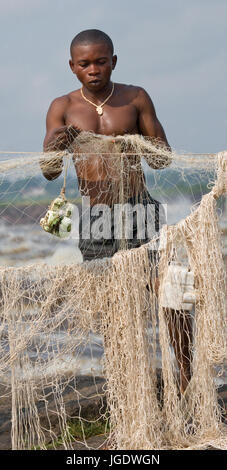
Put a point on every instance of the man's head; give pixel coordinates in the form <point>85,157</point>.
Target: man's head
<point>92,59</point>
<point>91,36</point>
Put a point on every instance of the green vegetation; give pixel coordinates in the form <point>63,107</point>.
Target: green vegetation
<point>175,183</point>
<point>37,190</point>
<point>79,429</point>
<point>164,185</point>
<point>34,190</point>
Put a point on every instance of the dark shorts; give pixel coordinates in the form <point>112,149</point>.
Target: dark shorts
<point>152,218</point>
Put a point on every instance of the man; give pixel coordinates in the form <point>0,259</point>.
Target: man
<point>105,108</point>
<point>127,110</point>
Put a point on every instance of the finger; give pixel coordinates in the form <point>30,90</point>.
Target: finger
<point>72,134</point>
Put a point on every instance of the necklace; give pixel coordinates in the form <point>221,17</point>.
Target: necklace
<point>100,106</point>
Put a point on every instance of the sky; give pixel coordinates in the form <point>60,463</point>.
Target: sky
<point>175,49</point>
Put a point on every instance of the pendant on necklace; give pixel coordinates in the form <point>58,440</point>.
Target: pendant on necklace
<point>99,110</point>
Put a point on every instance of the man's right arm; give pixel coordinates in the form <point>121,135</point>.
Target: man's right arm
<point>55,138</point>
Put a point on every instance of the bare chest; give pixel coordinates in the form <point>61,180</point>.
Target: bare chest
<point>115,120</point>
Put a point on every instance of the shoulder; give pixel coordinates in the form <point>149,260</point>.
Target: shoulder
<point>63,101</point>
<point>60,102</point>
<point>58,106</point>
<point>136,94</point>
<point>133,90</point>
<point>143,99</point>
<point>130,90</point>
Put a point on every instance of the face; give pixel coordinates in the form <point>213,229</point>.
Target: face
<point>93,65</point>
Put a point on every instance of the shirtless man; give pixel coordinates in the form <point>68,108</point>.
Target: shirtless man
<point>128,109</point>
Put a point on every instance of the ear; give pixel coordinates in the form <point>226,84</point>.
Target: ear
<point>114,61</point>
<point>71,64</point>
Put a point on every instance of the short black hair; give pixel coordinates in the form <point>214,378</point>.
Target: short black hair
<point>92,36</point>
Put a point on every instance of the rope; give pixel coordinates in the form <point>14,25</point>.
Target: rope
<point>65,176</point>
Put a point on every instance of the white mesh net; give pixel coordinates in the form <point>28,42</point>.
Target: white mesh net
<point>130,343</point>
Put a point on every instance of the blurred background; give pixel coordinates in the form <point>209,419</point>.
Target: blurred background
<point>175,50</point>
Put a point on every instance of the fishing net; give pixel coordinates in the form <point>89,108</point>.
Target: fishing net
<point>124,330</point>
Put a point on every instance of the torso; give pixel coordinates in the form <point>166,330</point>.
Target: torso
<point>120,116</point>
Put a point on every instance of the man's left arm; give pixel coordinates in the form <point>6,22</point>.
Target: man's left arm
<point>148,123</point>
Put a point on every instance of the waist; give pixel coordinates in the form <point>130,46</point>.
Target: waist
<point>110,192</point>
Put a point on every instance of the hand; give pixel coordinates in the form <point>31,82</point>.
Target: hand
<point>62,138</point>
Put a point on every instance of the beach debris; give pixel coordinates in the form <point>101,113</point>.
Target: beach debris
<point>178,289</point>
<point>58,219</point>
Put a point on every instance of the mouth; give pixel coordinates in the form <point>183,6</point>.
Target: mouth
<point>96,81</point>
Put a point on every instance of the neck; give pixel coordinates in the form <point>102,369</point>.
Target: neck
<point>98,94</point>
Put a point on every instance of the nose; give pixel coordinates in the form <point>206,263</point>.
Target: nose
<point>93,70</point>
